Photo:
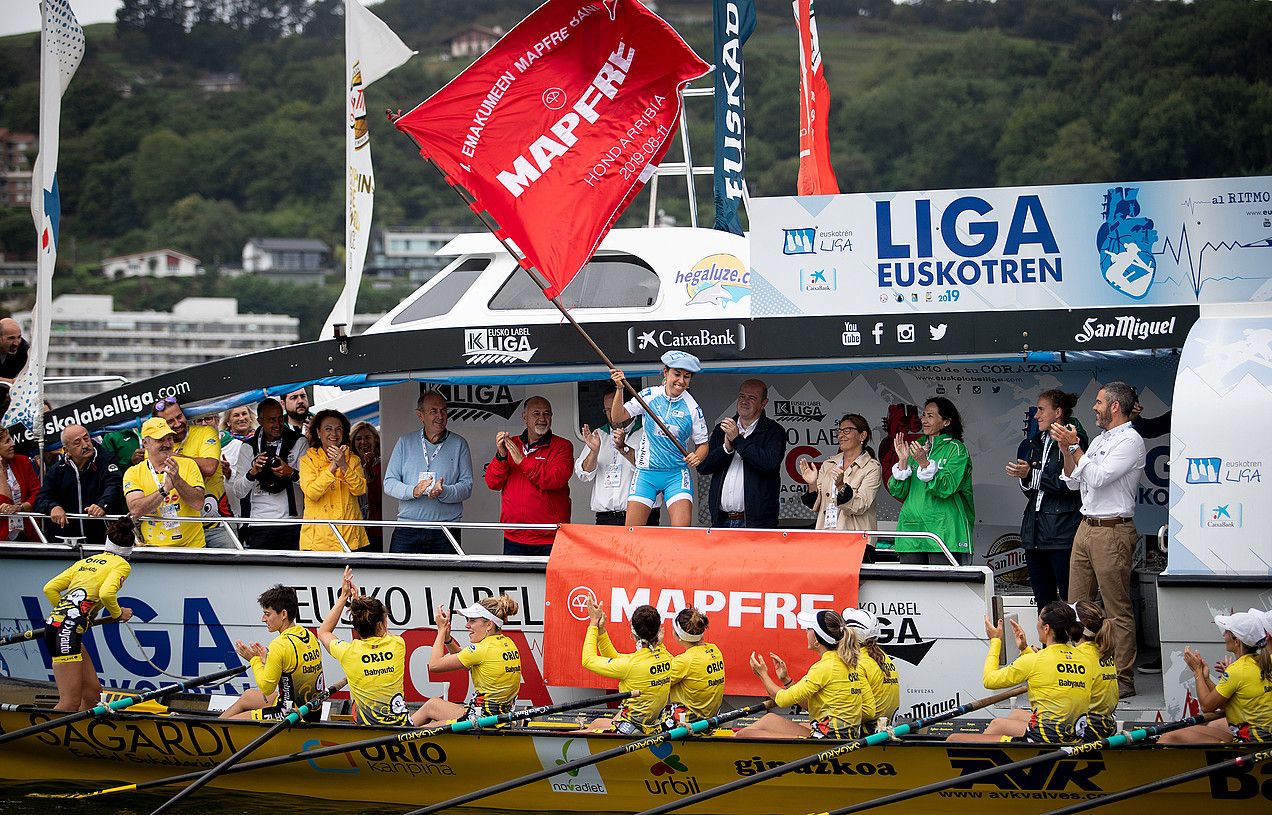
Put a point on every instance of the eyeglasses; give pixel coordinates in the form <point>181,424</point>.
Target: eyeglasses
<point>844,430</point>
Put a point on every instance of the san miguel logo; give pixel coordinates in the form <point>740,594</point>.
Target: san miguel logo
<point>477,402</point>
<point>358,108</point>
<point>494,346</point>
<point>798,411</point>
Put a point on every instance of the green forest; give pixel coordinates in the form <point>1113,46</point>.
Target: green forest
<point>925,95</point>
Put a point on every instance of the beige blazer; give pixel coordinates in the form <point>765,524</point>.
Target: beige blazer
<point>865,476</point>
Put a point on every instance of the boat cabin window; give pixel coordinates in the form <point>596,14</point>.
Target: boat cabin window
<point>609,281</point>
<point>442,297</point>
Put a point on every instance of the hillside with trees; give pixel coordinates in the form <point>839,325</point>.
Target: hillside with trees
<point>930,94</point>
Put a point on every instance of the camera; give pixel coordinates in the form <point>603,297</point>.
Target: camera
<point>273,461</point>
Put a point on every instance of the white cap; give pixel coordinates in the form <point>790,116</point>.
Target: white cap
<point>1263,616</point>
<point>866,623</point>
<point>1247,628</point>
<point>478,611</point>
<point>815,621</point>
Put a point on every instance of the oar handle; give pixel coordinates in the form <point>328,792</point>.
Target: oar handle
<point>595,758</point>
<point>833,752</point>
<point>1240,762</point>
<point>27,636</point>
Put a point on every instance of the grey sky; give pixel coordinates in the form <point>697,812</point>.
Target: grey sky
<point>21,16</point>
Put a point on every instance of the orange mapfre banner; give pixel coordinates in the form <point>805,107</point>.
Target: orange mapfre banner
<point>750,584</point>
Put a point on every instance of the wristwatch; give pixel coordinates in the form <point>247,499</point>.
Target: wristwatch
<point>1075,447</point>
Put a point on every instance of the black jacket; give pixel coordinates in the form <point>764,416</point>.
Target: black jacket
<point>72,489</point>
<point>761,471</point>
<point>1054,524</point>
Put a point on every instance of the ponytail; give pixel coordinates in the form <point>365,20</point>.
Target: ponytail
<point>1092,618</point>
<point>367,615</point>
<point>1062,621</point>
<point>847,644</point>
<point>502,606</point>
<point>1263,658</point>
<point>876,653</point>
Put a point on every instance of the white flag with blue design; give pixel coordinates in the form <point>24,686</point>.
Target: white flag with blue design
<point>61,50</point>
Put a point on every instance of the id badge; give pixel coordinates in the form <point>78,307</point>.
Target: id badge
<point>426,475</point>
<point>168,510</point>
<point>831,513</point>
<point>613,477</point>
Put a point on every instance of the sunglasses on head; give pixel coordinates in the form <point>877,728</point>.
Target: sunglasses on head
<point>163,404</point>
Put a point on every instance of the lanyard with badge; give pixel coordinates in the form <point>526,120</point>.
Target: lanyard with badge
<point>428,474</point>
<point>614,470</point>
<point>168,508</point>
<point>831,509</point>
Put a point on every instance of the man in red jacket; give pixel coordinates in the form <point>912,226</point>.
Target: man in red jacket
<point>533,473</point>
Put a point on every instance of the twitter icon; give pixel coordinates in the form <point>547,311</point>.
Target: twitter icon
<point>936,332</point>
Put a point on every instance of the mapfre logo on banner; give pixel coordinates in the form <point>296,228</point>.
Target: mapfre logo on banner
<point>750,584</point>
<point>558,126</point>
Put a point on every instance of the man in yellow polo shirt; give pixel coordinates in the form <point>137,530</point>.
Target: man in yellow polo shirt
<point>202,445</point>
<point>167,486</point>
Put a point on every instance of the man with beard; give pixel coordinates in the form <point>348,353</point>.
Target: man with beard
<point>167,486</point>
<point>532,471</point>
<point>1106,474</point>
<point>296,404</point>
<point>430,473</point>
<point>266,480</point>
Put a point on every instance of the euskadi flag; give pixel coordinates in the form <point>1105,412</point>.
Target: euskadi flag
<point>61,49</point>
<point>554,130</point>
<point>371,51</point>
<point>816,175</point>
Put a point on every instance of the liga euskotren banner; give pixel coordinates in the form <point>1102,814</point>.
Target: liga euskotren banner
<point>1109,245</point>
<point>749,609</point>
<point>556,128</point>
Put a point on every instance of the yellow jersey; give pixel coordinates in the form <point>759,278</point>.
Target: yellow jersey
<point>1102,672</point>
<point>648,671</point>
<point>202,441</point>
<point>885,685</point>
<point>697,680</point>
<point>376,670</point>
<point>86,586</point>
<point>293,666</point>
<point>834,694</point>
<point>1059,684</point>
<point>1249,697</point>
<point>495,666</point>
<point>141,477</point>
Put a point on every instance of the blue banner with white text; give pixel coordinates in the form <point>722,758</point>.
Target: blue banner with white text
<point>734,22</point>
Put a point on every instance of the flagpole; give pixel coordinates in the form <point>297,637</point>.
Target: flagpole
<point>493,228</point>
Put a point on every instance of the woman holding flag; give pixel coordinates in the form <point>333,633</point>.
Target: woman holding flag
<point>661,467</point>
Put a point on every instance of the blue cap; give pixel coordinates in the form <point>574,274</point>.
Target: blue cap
<point>682,360</point>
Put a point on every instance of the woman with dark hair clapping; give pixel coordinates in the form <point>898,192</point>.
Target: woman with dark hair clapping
<point>933,481</point>
<point>332,479</point>
<point>375,662</point>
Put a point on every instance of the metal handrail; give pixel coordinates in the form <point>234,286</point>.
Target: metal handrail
<point>229,520</point>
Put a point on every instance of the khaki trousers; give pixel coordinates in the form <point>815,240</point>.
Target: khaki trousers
<point>1102,558</point>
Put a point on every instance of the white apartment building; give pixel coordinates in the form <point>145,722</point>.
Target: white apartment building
<point>90,339</point>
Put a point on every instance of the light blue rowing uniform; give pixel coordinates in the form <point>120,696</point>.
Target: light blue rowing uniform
<point>660,467</point>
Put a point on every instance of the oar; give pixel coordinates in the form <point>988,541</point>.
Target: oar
<point>834,752</point>
<point>622,750</point>
<point>460,726</point>
<point>1117,740</point>
<point>24,636</point>
<point>120,704</point>
<point>1240,763</point>
<point>287,721</point>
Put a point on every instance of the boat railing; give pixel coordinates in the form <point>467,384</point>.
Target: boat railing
<point>229,523</point>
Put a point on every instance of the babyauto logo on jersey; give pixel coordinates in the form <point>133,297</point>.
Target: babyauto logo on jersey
<point>1221,516</point>
<point>716,280</point>
<point>484,346</point>
<point>640,340</point>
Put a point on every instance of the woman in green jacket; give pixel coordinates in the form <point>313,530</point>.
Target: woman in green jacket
<point>933,481</point>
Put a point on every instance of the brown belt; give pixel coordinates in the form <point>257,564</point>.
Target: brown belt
<point>734,516</point>
<point>1107,521</point>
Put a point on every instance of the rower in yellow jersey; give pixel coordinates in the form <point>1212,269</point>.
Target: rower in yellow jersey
<point>835,687</point>
<point>374,663</point>
<point>288,673</point>
<point>1058,678</point>
<point>697,674</point>
<point>647,671</point>
<point>1244,689</point>
<point>76,594</point>
<point>880,671</point>
<point>1096,647</point>
<point>492,660</point>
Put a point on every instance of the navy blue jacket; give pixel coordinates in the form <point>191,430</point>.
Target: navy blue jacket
<point>72,489</point>
<point>761,454</point>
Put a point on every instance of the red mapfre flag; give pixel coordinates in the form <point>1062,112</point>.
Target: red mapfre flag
<point>816,175</point>
<point>555,129</point>
<point>750,584</point>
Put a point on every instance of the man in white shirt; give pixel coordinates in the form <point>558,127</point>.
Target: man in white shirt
<point>744,460</point>
<point>608,463</point>
<point>1107,475</point>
